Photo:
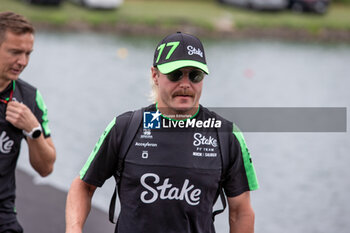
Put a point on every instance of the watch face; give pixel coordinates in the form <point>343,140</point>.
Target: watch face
<point>36,133</point>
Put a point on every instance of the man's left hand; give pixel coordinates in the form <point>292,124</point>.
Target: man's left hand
<point>20,116</point>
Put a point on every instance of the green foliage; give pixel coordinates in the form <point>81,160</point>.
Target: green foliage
<point>341,1</point>
<point>204,15</point>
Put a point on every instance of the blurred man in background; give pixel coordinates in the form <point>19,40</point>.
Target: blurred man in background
<point>23,114</point>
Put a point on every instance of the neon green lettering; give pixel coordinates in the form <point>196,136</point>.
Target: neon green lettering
<point>174,46</point>
<point>161,48</point>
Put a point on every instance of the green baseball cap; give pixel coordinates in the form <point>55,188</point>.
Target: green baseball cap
<point>179,50</point>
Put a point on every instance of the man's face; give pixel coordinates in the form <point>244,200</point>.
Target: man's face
<point>177,97</point>
<point>14,55</point>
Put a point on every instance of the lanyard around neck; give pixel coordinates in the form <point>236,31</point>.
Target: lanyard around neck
<point>8,99</point>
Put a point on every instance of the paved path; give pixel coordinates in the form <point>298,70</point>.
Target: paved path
<point>41,209</point>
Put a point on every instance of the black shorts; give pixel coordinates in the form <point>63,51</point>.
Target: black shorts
<point>13,227</point>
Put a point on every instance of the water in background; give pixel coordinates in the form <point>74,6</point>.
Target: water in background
<point>87,79</point>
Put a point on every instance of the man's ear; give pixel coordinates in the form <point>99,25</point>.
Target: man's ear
<point>155,75</point>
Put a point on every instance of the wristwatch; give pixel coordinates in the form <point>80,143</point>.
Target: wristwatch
<point>34,133</point>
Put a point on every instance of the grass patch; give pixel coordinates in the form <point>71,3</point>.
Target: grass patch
<point>203,14</point>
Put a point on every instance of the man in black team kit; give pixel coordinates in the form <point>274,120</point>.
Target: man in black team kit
<point>22,115</point>
<point>172,171</point>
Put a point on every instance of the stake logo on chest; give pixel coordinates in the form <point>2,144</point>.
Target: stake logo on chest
<point>168,191</point>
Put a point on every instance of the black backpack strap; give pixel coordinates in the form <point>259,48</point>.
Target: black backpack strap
<point>223,201</point>
<point>112,206</point>
<point>224,143</point>
<point>128,133</point>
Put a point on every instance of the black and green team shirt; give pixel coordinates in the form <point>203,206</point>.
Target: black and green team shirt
<point>10,142</point>
<point>171,175</point>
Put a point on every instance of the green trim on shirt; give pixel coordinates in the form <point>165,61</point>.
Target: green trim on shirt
<point>247,160</point>
<point>40,102</point>
<point>96,148</point>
